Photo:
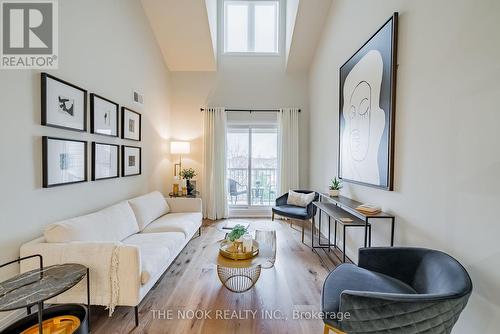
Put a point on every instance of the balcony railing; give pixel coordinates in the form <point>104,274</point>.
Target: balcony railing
<point>262,192</point>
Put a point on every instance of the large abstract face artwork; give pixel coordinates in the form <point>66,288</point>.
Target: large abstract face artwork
<point>364,120</point>
<point>367,111</point>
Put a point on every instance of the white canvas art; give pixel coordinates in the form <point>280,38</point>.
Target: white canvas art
<point>65,105</point>
<point>65,161</point>
<point>131,161</point>
<point>105,161</point>
<point>364,120</point>
<point>105,114</point>
<point>367,111</point>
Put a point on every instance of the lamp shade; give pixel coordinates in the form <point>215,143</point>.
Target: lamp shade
<point>180,147</point>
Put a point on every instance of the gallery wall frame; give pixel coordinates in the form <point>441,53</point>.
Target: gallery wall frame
<point>96,152</point>
<point>64,161</point>
<point>102,113</point>
<point>63,104</point>
<point>131,160</point>
<point>367,106</point>
<point>131,124</point>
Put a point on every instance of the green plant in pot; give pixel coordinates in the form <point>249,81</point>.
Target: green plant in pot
<point>188,174</point>
<point>334,188</point>
<point>237,232</point>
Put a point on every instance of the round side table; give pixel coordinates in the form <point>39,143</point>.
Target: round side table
<point>36,286</point>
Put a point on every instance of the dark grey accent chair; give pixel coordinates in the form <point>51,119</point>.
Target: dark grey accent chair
<point>397,290</point>
<point>295,212</point>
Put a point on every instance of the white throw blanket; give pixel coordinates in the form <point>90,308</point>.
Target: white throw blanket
<point>90,255</point>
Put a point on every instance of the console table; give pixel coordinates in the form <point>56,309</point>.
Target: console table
<point>338,209</point>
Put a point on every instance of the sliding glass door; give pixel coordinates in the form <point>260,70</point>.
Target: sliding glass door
<point>252,165</point>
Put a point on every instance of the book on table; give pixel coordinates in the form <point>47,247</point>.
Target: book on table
<point>369,208</point>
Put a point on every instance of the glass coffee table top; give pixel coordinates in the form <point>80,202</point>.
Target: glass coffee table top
<point>252,227</point>
<point>38,285</point>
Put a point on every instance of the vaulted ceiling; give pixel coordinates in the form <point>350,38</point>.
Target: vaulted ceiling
<point>186,31</point>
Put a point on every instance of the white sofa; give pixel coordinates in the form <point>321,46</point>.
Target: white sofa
<point>127,247</point>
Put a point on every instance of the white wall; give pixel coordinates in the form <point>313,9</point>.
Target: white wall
<point>108,48</point>
<point>241,82</point>
<point>251,87</point>
<point>447,157</point>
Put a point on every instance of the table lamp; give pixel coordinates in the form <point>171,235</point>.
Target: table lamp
<point>180,148</point>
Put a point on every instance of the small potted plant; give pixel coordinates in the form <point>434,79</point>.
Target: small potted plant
<point>188,174</point>
<point>235,237</point>
<point>334,188</point>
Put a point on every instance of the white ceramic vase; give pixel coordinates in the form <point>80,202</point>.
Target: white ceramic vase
<point>333,193</point>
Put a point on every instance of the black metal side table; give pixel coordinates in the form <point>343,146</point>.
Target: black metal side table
<point>36,286</point>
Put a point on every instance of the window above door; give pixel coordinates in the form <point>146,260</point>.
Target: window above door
<point>251,27</point>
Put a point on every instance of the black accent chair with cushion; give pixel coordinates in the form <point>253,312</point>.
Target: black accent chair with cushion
<point>302,214</point>
<point>397,290</point>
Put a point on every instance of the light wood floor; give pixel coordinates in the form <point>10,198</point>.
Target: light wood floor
<point>191,283</point>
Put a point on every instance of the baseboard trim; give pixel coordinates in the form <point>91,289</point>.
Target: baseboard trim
<point>250,212</point>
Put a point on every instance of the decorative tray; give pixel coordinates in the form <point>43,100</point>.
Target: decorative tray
<point>235,251</point>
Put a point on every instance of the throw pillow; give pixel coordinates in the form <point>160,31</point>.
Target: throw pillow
<point>299,199</point>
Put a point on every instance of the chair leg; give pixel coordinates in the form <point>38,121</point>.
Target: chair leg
<point>335,330</point>
<point>272,216</point>
<point>303,223</point>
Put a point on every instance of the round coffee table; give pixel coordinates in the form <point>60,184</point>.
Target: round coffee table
<point>241,275</point>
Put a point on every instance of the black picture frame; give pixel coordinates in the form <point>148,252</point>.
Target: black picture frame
<point>124,173</point>
<point>45,77</point>
<point>384,40</point>
<point>124,117</point>
<point>93,97</point>
<point>94,147</point>
<point>45,162</point>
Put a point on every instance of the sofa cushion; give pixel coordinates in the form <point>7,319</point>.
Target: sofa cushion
<point>148,208</point>
<point>186,223</point>
<point>156,249</point>
<point>291,211</point>
<point>352,277</point>
<point>300,199</point>
<point>114,223</point>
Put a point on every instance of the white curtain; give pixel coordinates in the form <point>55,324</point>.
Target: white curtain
<point>214,189</point>
<point>288,149</point>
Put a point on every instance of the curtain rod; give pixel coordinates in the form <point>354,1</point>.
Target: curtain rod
<point>249,110</point>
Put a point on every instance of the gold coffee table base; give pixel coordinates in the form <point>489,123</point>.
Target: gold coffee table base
<point>238,279</point>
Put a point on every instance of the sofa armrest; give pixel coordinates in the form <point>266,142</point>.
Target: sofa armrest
<point>184,204</point>
<point>97,256</point>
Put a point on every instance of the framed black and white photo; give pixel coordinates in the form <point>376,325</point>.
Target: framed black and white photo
<point>64,105</point>
<point>103,116</point>
<point>131,124</point>
<point>367,110</point>
<point>64,161</point>
<point>105,161</point>
<point>131,160</point>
